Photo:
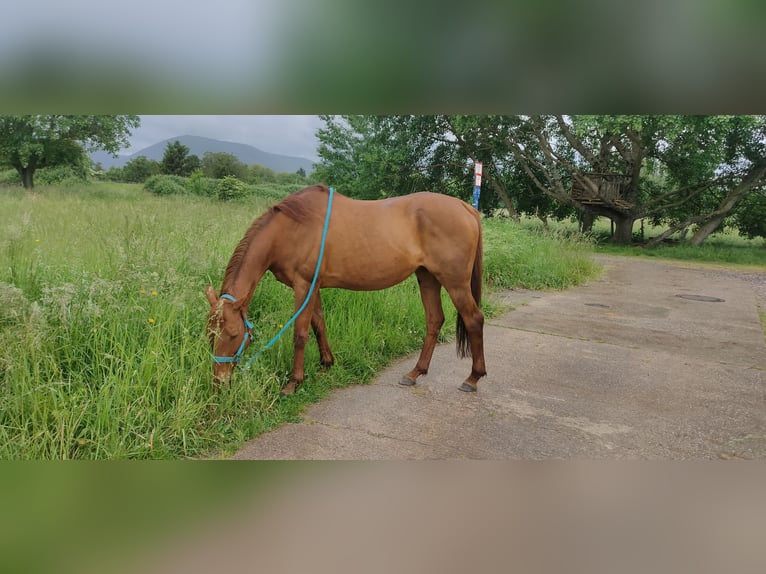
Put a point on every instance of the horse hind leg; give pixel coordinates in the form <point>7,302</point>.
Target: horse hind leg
<point>472,329</point>
<point>430,295</point>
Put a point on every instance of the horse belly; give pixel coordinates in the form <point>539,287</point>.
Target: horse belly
<point>371,264</point>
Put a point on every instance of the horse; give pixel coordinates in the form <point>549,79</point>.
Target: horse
<point>369,245</point>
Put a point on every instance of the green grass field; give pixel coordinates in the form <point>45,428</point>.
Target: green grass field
<point>103,353</point>
<point>727,247</point>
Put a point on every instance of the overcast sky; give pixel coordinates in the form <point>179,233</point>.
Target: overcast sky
<point>286,135</point>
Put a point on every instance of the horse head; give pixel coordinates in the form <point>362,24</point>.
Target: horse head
<point>230,333</point>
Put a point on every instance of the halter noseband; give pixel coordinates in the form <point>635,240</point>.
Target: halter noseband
<point>248,330</point>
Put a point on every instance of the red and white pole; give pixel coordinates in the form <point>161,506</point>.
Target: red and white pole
<point>477,184</point>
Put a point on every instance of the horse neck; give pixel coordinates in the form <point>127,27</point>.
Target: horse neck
<point>243,275</point>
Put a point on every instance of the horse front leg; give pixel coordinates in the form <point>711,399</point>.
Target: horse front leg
<point>320,331</point>
<point>430,295</point>
<point>300,338</point>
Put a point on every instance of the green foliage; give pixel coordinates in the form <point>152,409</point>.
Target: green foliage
<point>519,256</point>
<point>198,184</point>
<point>750,218</point>
<point>721,249</point>
<point>114,173</point>
<point>139,169</point>
<point>222,164</point>
<point>371,157</point>
<point>675,169</point>
<point>166,185</point>
<point>103,353</point>
<point>260,174</point>
<point>230,188</point>
<point>31,142</point>
<point>10,177</point>
<point>61,174</point>
<point>174,160</point>
<point>191,164</point>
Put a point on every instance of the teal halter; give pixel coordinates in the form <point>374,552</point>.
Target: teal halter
<point>249,326</point>
<point>248,335</point>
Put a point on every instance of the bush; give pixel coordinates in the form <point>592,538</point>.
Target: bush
<point>10,177</point>
<point>230,188</point>
<point>198,184</point>
<point>165,185</point>
<point>140,169</point>
<point>60,174</point>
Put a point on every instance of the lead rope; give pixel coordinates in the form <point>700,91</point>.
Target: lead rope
<point>311,288</point>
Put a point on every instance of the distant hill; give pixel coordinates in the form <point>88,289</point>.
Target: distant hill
<point>197,145</point>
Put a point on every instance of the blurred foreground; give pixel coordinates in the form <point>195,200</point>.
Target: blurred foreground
<point>384,517</point>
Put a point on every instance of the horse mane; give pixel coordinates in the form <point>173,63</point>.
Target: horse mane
<point>293,206</point>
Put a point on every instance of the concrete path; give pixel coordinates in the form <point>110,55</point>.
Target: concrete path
<point>621,368</point>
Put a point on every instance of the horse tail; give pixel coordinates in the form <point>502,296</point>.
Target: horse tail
<point>463,341</point>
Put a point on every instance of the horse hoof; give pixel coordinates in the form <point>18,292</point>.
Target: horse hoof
<point>406,381</point>
<point>288,389</point>
<point>467,388</point>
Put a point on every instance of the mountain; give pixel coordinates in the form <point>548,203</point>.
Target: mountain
<point>197,145</point>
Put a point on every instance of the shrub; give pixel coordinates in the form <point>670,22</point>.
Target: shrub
<point>140,169</point>
<point>10,177</point>
<point>60,174</point>
<point>198,184</point>
<point>165,185</point>
<point>230,188</point>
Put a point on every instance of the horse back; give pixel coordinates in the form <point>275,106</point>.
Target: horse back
<point>376,244</point>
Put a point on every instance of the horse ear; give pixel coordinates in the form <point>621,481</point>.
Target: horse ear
<point>211,295</point>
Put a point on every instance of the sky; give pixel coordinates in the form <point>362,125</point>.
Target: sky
<point>292,135</point>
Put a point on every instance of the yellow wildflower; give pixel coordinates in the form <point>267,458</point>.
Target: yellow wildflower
<point>154,293</point>
<point>151,320</point>
<point>142,292</point>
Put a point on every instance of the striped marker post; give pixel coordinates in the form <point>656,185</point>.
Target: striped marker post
<point>477,185</point>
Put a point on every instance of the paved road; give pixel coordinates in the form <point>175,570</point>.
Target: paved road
<point>621,368</point>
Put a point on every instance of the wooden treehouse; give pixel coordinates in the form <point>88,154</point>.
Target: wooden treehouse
<point>608,190</point>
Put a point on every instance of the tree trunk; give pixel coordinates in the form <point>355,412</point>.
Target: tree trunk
<point>754,176</point>
<point>26,174</point>
<point>587,218</point>
<point>623,233</point>
<point>542,217</point>
<point>706,229</point>
<point>499,189</point>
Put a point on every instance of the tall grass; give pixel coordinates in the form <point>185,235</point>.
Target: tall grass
<point>517,255</point>
<point>102,318</point>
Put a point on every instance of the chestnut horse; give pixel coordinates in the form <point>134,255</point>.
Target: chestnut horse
<point>369,245</point>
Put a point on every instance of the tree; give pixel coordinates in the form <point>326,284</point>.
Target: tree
<point>259,174</point>
<point>30,142</point>
<point>604,165</point>
<point>174,160</point>
<point>377,156</point>
<point>138,170</point>
<point>220,164</point>
<point>191,164</point>
<point>675,170</point>
<point>372,157</point>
